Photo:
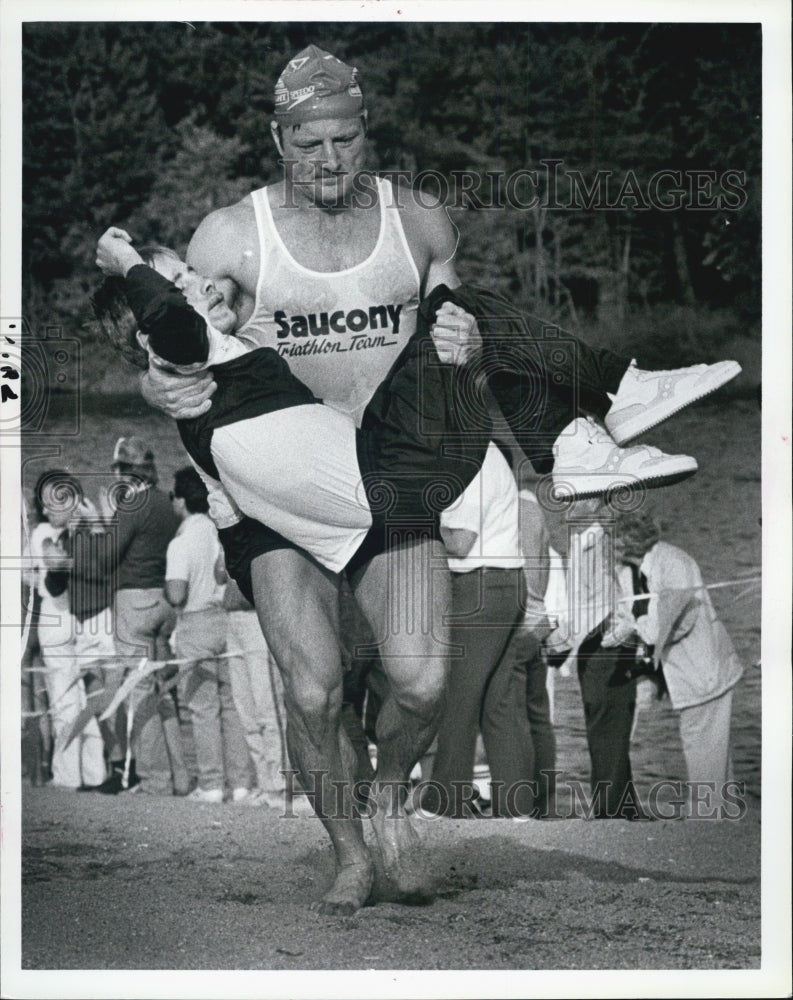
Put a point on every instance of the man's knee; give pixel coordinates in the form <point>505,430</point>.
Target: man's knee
<point>420,692</point>
<point>314,706</point>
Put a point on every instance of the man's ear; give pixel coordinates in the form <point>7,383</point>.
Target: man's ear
<point>143,340</point>
<point>275,132</point>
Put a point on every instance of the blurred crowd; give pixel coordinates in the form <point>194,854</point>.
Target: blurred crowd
<point>145,670</point>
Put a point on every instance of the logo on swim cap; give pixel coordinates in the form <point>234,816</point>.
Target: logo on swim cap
<point>316,85</point>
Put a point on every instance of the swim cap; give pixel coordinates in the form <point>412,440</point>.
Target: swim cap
<point>316,85</point>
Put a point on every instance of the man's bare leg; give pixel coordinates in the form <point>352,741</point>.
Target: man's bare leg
<point>297,604</point>
<point>405,593</point>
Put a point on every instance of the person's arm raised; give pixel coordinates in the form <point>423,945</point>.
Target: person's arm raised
<point>184,397</point>
<point>179,396</point>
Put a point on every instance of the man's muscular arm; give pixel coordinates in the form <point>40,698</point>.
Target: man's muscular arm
<point>211,253</point>
<point>455,332</point>
<point>214,251</point>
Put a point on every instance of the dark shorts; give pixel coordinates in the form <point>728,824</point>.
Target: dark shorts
<point>247,539</point>
<point>419,446</point>
<point>242,543</point>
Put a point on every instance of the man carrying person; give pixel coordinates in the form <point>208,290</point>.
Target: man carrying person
<point>330,270</point>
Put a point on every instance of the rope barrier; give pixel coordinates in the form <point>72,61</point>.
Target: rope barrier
<point>147,667</point>
<point>683,590</point>
<point>109,666</point>
<point>632,598</point>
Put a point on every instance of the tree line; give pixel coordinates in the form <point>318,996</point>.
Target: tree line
<point>595,171</point>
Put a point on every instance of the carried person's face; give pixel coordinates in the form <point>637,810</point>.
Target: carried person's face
<point>199,291</point>
<point>322,158</point>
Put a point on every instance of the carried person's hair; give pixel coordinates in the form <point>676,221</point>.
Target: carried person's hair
<point>114,316</point>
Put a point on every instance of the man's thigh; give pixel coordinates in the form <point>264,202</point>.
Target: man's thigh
<point>94,641</point>
<point>705,734</point>
<point>405,593</point>
<point>297,602</point>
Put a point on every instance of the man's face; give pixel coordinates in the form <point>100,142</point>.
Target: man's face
<point>322,158</point>
<point>200,292</point>
<point>624,553</point>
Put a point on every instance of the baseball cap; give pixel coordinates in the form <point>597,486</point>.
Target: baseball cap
<point>132,451</point>
<point>316,85</point>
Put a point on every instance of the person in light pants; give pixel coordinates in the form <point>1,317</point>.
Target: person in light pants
<point>258,696</point>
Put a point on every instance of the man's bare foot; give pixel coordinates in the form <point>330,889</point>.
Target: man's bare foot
<point>404,863</point>
<point>349,892</point>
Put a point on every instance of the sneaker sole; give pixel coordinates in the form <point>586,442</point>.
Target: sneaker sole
<point>569,491</point>
<point>663,411</point>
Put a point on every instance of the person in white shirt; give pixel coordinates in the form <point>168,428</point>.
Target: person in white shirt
<point>258,694</point>
<point>481,535</point>
<point>525,653</point>
<point>689,647</point>
<point>200,635</point>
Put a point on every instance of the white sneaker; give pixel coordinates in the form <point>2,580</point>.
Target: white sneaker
<point>256,797</point>
<point>205,795</point>
<point>240,794</point>
<point>645,399</point>
<point>587,463</point>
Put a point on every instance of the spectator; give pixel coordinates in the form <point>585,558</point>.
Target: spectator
<point>258,697</point>
<point>144,524</point>
<point>688,645</point>
<point>73,628</point>
<point>200,636</point>
<point>601,633</point>
<point>481,532</point>
<point>36,728</point>
<point>525,651</point>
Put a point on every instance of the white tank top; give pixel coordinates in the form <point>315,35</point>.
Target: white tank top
<point>340,331</point>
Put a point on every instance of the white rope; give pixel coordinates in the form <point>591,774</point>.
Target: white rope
<point>631,598</point>
<point>136,676</point>
<point>682,590</point>
<point>157,664</point>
